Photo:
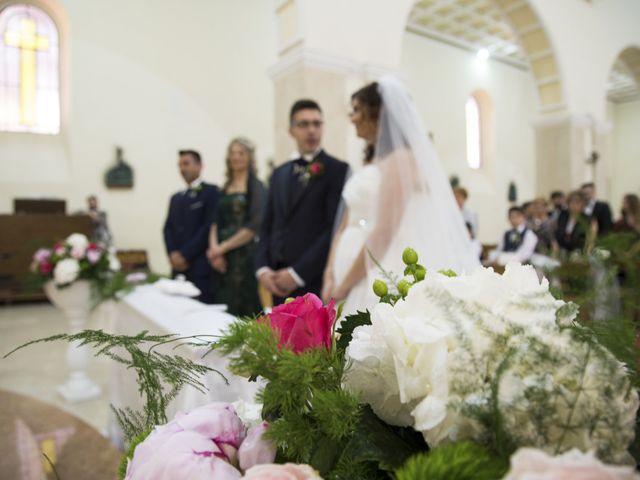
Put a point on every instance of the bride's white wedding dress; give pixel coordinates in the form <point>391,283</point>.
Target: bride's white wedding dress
<point>359,195</point>
<point>402,199</point>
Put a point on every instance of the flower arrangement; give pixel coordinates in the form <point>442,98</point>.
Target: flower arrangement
<point>447,377</point>
<point>74,258</point>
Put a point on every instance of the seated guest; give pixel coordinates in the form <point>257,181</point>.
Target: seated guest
<point>100,232</point>
<point>629,215</point>
<point>594,208</point>
<point>470,217</point>
<point>518,244</point>
<point>541,225</point>
<point>232,238</point>
<point>186,230</point>
<point>573,227</point>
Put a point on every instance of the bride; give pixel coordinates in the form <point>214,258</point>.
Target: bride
<point>400,198</point>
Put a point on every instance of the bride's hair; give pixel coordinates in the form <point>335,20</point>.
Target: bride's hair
<point>371,101</point>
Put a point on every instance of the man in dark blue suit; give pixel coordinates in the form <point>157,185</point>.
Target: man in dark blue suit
<point>304,195</point>
<point>186,231</point>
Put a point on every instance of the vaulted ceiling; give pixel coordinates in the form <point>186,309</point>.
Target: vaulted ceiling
<point>512,33</point>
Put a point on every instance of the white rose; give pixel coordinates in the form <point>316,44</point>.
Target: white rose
<point>533,464</point>
<point>78,243</point>
<point>66,271</point>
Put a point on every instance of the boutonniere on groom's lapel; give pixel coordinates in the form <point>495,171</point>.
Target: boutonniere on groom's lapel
<point>315,169</point>
<point>193,192</point>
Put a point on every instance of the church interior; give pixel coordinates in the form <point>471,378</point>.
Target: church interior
<point>99,101</point>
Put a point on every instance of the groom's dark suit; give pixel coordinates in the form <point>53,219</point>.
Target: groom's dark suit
<point>299,219</point>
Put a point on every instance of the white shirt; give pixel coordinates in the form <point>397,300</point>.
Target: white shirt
<point>588,210</point>
<point>195,184</point>
<point>471,218</point>
<point>307,156</point>
<point>524,252</point>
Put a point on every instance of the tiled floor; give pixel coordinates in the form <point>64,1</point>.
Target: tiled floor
<point>38,369</point>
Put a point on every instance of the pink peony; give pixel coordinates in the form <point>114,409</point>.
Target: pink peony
<point>288,471</point>
<point>534,464</point>
<point>93,256</point>
<point>42,254</point>
<point>59,249</point>
<point>200,444</point>
<point>77,253</point>
<point>256,450</point>
<point>303,323</point>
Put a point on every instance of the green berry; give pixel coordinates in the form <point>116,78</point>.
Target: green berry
<point>289,300</point>
<point>409,256</point>
<point>403,287</point>
<point>380,288</point>
<point>420,273</point>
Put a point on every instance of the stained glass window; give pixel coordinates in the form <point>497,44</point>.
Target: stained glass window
<point>29,71</point>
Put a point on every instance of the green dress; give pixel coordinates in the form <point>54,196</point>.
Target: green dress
<point>237,287</point>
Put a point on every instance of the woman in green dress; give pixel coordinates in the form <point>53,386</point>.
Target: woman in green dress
<point>233,236</point>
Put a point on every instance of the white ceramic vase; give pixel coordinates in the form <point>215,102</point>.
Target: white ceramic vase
<point>75,303</point>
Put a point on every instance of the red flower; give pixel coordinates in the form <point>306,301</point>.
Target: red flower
<point>315,169</point>
<point>304,323</point>
<point>46,267</point>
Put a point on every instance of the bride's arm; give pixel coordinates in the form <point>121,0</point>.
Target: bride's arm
<point>327,278</point>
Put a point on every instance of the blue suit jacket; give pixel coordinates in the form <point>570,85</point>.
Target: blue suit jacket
<point>296,232</point>
<point>187,227</point>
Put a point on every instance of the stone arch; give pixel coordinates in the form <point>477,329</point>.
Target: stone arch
<point>539,55</point>
<point>624,76</point>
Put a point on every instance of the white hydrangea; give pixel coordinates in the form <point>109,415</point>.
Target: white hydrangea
<point>434,360</point>
<point>66,271</point>
<point>78,243</point>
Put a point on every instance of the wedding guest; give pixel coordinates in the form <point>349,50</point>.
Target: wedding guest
<point>520,242</point>
<point>232,238</point>
<point>477,246</point>
<point>541,225</point>
<point>100,232</point>
<point>629,215</point>
<point>186,230</point>
<point>596,209</point>
<point>574,227</point>
<point>558,204</point>
<point>469,215</point>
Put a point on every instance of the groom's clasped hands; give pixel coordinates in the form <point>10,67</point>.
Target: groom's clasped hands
<point>279,282</point>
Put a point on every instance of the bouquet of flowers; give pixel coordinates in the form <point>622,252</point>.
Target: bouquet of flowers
<point>74,258</point>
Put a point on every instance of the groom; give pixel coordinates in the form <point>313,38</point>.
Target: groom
<point>304,194</point>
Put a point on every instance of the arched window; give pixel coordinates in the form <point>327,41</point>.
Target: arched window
<point>29,71</point>
<point>479,115</point>
<point>474,140</point>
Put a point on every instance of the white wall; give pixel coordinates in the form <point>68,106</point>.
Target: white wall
<point>152,77</point>
<point>625,150</point>
<point>441,78</point>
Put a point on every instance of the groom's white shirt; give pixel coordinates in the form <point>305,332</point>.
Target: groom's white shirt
<point>297,278</point>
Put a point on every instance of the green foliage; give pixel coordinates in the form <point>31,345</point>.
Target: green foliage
<point>347,327</point>
<point>160,376</point>
<point>312,419</point>
<point>128,455</point>
<point>459,461</point>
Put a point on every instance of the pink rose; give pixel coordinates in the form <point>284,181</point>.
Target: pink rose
<point>315,169</point>
<point>534,464</point>
<point>256,450</point>
<point>304,323</point>
<point>58,249</point>
<point>77,253</point>
<point>288,471</point>
<point>196,445</point>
